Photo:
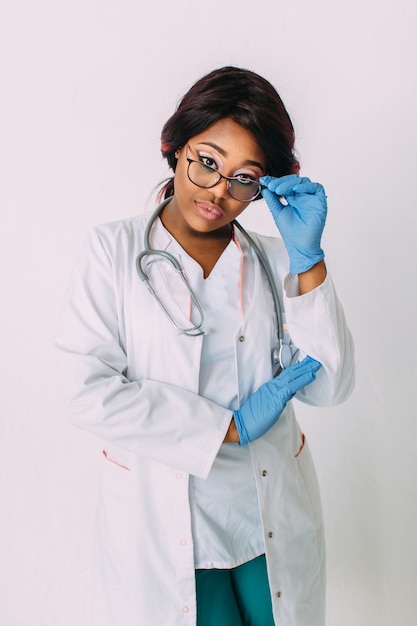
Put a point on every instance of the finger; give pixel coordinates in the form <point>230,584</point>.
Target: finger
<point>273,201</point>
<point>280,186</point>
<point>309,187</point>
<point>284,184</point>
<point>294,372</point>
<point>309,360</point>
<point>274,180</point>
<point>306,364</point>
<point>300,382</point>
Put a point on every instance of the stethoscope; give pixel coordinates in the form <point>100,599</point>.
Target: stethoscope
<point>281,354</point>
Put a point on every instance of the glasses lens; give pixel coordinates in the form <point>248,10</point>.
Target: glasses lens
<point>245,191</point>
<point>202,175</point>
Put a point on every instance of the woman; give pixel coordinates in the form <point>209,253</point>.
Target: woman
<point>209,511</point>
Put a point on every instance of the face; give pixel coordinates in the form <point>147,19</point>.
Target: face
<point>228,148</point>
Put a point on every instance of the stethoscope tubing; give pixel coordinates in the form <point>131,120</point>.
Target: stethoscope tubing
<point>281,355</point>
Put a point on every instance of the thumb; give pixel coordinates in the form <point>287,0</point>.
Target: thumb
<point>273,202</point>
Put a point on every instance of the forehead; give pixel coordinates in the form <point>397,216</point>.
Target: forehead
<point>231,140</point>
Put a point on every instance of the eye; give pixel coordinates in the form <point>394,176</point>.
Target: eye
<point>246,179</point>
<point>207,161</point>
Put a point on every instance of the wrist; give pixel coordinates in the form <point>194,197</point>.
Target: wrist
<point>302,261</point>
<point>232,435</point>
<point>312,278</point>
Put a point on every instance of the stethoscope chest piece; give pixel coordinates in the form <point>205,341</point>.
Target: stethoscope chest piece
<point>282,356</point>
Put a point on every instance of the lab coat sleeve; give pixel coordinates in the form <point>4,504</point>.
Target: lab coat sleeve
<point>146,417</point>
<point>318,327</point>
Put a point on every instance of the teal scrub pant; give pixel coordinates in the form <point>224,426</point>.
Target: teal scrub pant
<point>234,597</point>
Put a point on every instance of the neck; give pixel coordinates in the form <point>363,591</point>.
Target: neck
<point>204,247</point>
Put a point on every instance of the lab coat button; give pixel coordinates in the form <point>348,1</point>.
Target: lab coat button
<point>241,338</point>
<point>183,542</point>
<point>178,476</point>
<point>264,473</point>
<point>278,594</point>
<point>270,534</point>
<point>185,609</point>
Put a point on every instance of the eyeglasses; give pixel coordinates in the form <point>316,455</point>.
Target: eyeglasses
<point>242,188</point>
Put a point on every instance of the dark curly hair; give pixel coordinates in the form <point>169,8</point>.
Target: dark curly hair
<point>247,99</point>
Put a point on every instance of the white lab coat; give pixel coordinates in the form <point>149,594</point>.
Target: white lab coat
<point>133,381</point>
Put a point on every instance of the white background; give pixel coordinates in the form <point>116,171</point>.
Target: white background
<point>85,89</point>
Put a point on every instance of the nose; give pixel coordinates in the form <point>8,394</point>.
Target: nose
<point>221,189</point>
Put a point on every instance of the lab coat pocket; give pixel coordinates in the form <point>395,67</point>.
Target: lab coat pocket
<point>113,503</point>
<point>302,444</point>
<point>115,461</point>
<point>304,463</point>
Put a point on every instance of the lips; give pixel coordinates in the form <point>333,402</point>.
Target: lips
<point>208,211</point>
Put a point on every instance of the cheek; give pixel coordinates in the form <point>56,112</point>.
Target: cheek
<point>239,209</point>
<point>182,184</point>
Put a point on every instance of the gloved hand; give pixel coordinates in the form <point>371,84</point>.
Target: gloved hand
<point>301,221</point>
<point>263,408</point>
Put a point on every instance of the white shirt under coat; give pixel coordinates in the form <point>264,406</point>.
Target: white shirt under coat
<point>226,522</point>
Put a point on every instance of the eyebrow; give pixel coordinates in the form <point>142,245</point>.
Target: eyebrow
<point>224,153</point>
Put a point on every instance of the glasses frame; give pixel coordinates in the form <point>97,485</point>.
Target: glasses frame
<point>229,179</point>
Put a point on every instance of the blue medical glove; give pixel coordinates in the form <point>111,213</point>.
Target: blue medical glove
<point>263,408</point>
<point>301,221</point>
